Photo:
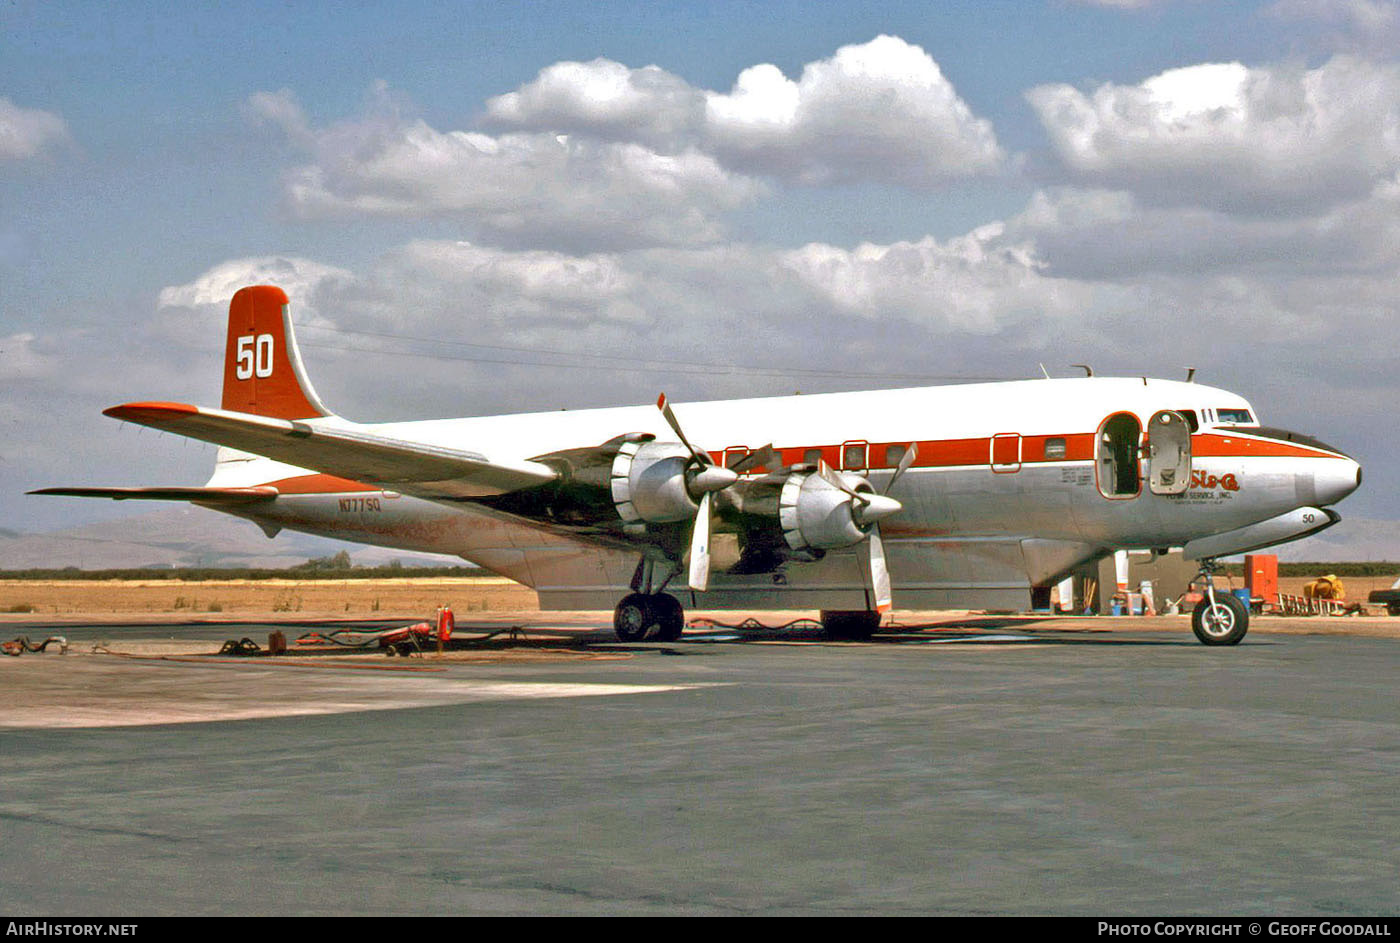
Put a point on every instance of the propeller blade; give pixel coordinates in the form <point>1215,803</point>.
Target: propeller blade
<point>879,572</point>
<point>910,454</point>
<point>665,407</point>
<point>700,547</point>
<point>833,479</point>
<point>767,457</point>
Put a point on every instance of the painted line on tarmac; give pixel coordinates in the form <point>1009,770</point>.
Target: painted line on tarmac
<point>102,699</point>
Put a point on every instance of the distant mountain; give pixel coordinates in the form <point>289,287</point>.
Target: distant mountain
<point>186,536</point>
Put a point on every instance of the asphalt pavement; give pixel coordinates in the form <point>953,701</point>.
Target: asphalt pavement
<point>1002,770</point>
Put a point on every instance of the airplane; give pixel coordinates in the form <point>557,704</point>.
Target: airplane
<point>978,496</point>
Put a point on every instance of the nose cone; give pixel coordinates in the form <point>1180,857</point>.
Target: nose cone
<point>1337,478</point>
<point>875,507</point>
<point>712,478</point>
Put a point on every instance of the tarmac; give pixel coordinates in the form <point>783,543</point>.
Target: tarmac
<point>955,765</point>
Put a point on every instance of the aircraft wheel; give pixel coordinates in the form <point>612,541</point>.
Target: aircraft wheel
<point>857,625</point>
<point>669,615</point>
<point>633,617</point>
<point>1225,626</point>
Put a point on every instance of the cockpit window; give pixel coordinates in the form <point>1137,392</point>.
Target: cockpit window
<point>1235,416</point>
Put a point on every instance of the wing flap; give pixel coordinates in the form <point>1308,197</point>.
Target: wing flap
<point>416,468</point>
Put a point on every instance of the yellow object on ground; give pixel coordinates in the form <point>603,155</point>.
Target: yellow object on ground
<point>1324,587</point>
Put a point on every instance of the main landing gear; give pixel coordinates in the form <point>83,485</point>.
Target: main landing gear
<point>643,615</point>
<point>854,625</point>
<point>1220,618</point>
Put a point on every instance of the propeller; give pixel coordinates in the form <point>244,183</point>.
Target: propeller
<point>704,478</point>
<point>868,509</point>
<point>765,457</point>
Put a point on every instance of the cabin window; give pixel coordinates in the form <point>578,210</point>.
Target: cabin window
<point>811,456</point>
<point>1054,449</point>
<point>893,454</point>
<point>1117,456</point>
<point>853,457</point>
<point>734,455</point>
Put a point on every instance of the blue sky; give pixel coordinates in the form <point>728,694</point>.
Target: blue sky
<point>930,203</point>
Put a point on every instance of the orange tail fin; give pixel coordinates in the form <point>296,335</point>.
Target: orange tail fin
<point>263,373</point>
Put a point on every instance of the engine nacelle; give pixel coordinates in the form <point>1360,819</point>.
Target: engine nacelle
<point>816,515</point>
<point>649,483</point>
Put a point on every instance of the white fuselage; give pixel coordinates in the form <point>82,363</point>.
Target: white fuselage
<point>1014,485</point>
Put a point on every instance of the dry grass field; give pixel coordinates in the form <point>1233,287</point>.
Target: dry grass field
<point>405,598</point>
<point>388,598</point>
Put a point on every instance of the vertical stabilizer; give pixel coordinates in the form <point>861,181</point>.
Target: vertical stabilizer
<point>263,373</point>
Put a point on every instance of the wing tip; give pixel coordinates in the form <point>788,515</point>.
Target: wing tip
<point>135,411</point>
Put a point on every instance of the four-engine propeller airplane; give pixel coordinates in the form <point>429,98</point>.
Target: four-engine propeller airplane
<point>976,496</point>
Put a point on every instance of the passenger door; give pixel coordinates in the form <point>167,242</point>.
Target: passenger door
<point>1169,452</point>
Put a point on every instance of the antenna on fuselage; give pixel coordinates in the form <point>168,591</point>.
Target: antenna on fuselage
<point>1044,371</point>
<point>1190,374</point>
<point>1088,370</point>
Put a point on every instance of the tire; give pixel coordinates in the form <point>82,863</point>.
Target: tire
<point>1392,608</point>
<point>633,618</point>
<point>1227,627</point>
<point>850,625</point>
<point>670,617</point>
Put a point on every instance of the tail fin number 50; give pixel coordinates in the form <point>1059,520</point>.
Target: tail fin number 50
<point>254,356</point>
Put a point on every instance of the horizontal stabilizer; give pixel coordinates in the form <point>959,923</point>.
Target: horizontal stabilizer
<point>221,496</point>
<point>415,468</point>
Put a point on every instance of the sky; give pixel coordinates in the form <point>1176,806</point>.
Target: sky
<point>489,207</point>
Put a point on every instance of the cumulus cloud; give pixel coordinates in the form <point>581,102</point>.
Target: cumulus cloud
<point>281,109</point>
<point>1110,234</point>
<point>978,283</point>
<point>25,132</point>
<point>600,156</point>
<point>296,276</point>
<point>556,190</point>
<point>193,313</point>
<point>879,111</point>
<point>510,289</point>
<point>1278,140</point>
<point>605,99</point>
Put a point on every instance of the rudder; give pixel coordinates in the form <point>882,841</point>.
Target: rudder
<point>263,372</point>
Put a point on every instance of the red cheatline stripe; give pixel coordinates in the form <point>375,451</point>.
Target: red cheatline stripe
<point>946,453</point>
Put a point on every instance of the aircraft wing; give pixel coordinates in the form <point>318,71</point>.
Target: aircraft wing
<point>415,468</point>
<point>219,496</point>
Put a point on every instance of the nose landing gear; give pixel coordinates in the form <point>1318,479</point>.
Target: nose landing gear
<point>1220,618</point>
